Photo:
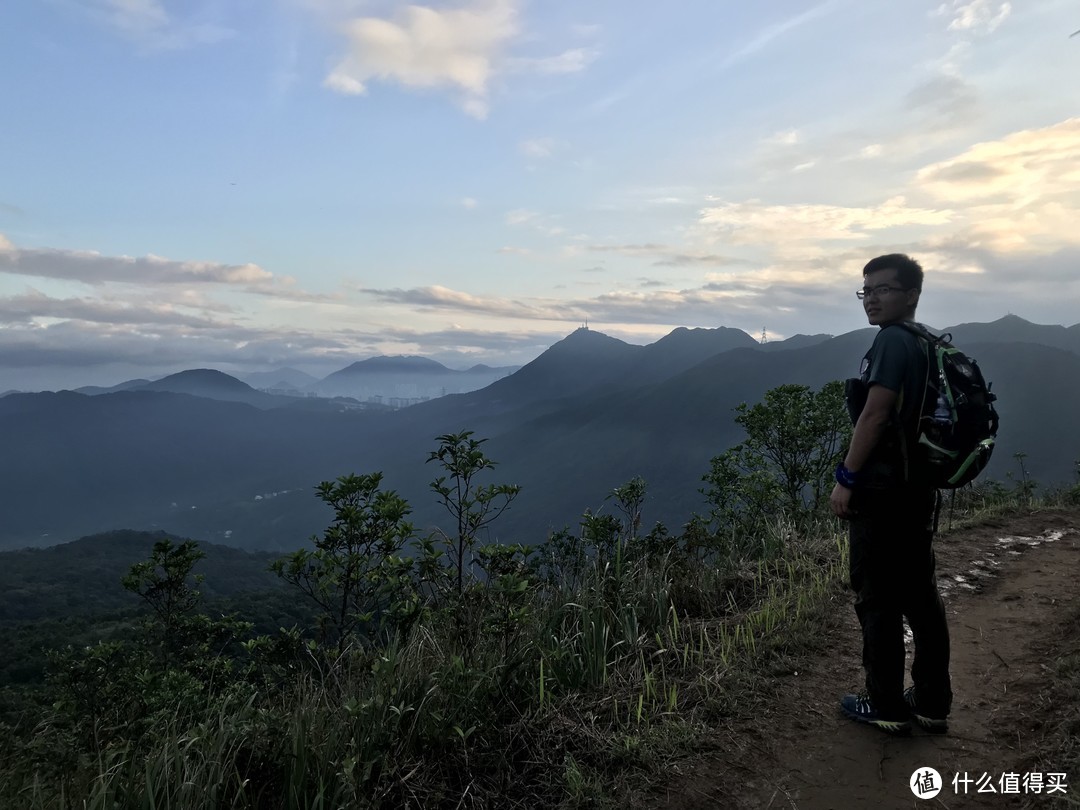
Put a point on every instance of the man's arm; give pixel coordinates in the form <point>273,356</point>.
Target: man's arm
<point>880,403</point>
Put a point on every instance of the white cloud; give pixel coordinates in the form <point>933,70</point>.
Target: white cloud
<point>520,216</point>
<point>753,223</point>
<point>1017,194</point>
<point>91,267</point>
<point>977,16</point>
<point>461,49</point>
<point>788,137</point>
<point>537,147</point>
<point>872,150</point>
<point>753,294</point>
<point>574,60</point>
<point>469,203</point>
<point>346,85</point>
<point>667,255</point>
<point>33,305</point>
<point>439,297</point>
<point>425,47</point>
<point>1025,165</point>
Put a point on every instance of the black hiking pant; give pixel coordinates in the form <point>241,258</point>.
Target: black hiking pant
<point>892,574</point>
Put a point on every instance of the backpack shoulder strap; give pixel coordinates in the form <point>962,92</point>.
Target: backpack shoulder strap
<point>919,329</point>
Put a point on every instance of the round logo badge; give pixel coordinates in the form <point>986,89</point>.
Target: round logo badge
<point>925,783</point>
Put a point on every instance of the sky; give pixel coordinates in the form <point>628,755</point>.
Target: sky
<point>252,184</point>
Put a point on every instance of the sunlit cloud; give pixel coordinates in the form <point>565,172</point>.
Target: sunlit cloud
<point>424,47</point>
<point>788,137</point>
<point>1020,193</point>
<point>667,255</point>
<point>460,49</point>
<point>91,267</point>
<point>1024,166</point>
<point>444,298</point>
<point>977,16</point>
<point>753,223</point>
<point>34,305</point>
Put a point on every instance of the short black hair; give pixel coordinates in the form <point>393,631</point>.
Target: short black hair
<point>908,271</point>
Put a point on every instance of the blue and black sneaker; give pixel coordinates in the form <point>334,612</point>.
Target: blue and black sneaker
<point>858,707</point>
<point>927,721</point>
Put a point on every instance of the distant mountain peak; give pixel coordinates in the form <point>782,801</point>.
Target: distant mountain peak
<point>1010,318</point>
<point>199,377</point>
<point>584,336</point>
<point>394,362</point>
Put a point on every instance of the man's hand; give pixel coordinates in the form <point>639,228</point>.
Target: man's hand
<point>840,501</point>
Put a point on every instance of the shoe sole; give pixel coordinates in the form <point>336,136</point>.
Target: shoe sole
<point>898,728</point>
<point>931,724</point>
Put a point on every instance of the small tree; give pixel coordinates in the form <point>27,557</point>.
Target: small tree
<point>794,439</point>
<point>357,574</point>
<point>800,435</point>
<point>740,492</point>
<point>473,507</point>
<point>181,634</point>
<point>119,689</point>
<point>630,498</point>
<point>162,582</point>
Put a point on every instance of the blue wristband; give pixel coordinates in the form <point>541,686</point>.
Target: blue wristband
<point>845,477</point>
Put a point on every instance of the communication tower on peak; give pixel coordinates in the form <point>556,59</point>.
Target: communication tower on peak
<point>764,335</point>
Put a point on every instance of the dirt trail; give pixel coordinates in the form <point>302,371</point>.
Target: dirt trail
<point>1012,595</point>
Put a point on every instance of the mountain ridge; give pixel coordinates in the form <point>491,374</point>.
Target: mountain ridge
<point>584,417</point>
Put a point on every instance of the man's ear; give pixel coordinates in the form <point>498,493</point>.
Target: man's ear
<point>913,297</point>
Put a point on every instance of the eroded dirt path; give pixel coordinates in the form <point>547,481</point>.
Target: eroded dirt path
<point>1012,591</point>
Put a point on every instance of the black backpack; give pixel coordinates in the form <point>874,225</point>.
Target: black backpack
<point>957,425</point>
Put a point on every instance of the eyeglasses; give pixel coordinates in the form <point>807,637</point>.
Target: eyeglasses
<point>876,292</point>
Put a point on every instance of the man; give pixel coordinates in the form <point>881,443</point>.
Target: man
<point>892,516</point>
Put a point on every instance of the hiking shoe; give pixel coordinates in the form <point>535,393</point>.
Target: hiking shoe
<point>935,725</point>
<point>859,707</point>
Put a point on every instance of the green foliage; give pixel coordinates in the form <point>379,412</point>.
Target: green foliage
<point>1025,487</point>
<point>794,439</point>
<point>357,574</point>
<point>530,676</point>
<point>630,497</point>
<point>741,495</point>
<point>472,507</point>
<point>82,578</point>
<point>177,632</point>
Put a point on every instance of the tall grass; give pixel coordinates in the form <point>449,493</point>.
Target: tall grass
<point>557,694</point>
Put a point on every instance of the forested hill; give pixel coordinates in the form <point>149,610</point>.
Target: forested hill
<point>83,577</point>
<point>71,595</point>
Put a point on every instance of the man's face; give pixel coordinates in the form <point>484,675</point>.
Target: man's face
<point>888,303</point>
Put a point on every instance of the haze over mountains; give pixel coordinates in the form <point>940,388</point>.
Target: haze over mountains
<point>208,456</point>
<point>396,381</point>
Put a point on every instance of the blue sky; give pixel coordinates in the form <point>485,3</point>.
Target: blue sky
<point>245,184</point>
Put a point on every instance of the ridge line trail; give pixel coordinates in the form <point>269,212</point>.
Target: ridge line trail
<point>1013,602</point>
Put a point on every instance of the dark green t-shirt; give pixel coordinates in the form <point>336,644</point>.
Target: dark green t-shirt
<point>896,360</point>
